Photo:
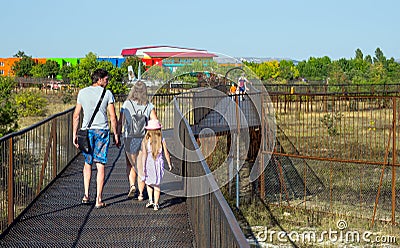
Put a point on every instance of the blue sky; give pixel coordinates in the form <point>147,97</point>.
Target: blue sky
<point>295,29</point>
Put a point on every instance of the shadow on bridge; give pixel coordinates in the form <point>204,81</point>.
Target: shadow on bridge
<point>58,219</point>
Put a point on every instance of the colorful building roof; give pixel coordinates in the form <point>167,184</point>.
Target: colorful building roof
<point>179,54</point>
<point>165,52</point>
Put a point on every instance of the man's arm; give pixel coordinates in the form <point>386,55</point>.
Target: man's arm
<point>75,123</point>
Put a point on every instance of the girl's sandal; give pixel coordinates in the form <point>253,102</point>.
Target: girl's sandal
<point>140,198</point>
<point>149,204</point>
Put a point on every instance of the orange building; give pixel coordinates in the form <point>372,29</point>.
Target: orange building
<point>6,65</point>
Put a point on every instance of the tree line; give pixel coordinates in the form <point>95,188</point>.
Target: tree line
<point>77,75</point>
<point>358,70</point>
<point>362,69</point>
<point>28,103</point>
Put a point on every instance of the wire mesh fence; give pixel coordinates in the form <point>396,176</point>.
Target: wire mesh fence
<point>335,155</point>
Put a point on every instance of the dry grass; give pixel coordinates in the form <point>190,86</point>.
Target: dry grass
<point>55,105</point>
<point>361,135</point>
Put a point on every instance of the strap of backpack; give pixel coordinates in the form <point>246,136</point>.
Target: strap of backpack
<point>132,106</point>
<point>135,109</point>
<point>145,108</point>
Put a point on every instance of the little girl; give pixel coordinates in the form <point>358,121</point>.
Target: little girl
<point>153,146</point>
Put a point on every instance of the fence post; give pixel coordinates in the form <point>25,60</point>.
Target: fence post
<point>11,182</point>
<point>54,147</point>
<point>394,162</point>
<point>46,159</point>
<point>263,147</point>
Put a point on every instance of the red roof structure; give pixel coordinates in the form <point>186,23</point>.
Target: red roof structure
<point>159,55</point>
<point>180,54</point>
<point>166,51</point>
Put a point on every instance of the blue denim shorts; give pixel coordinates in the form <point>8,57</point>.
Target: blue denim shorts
<point>99,143</point>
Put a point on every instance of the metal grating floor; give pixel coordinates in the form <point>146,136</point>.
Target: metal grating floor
<point>58,219</point>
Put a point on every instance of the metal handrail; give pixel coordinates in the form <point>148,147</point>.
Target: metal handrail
<point>30,159</point>
<point>213,220</point>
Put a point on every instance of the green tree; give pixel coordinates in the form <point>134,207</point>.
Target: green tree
<point>135,62</point>
<point>393,70</point>
<point>379,57</point>
<point>368,59</point>
<point>20,54</point>
<point>23,67</point>
<point>337,75</point>
<point>359,54</point>
<point>8,110</point>
<point>38,71</point>
<point>65,71</point>
<point>268,70</point>
<point>51,68</point>
<point>288,70</point>
<point>378,73</point>
<point>157,73</point>
<point>115,82</point>
<point>196,66</point>
<point>80,76</point>
<point>315,68</point>
<point>359,71</point>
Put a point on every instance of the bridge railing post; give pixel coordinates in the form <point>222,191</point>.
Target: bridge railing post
<point>11,182</point>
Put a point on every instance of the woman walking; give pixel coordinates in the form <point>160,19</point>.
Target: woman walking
<point>135,113</point>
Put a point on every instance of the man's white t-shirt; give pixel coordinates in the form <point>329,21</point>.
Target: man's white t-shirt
<point>89,97</point>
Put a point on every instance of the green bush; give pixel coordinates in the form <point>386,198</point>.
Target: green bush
<point>67,97</point>
<point>31,104</point>
<point>8,110</point>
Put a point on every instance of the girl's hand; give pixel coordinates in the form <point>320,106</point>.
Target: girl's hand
<point>170,167</point>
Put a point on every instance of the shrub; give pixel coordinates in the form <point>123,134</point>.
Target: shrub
<point>31,104</point>
<point>8,110</point>
<point>67,97</point>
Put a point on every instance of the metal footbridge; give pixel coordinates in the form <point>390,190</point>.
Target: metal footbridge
<point>41,198</point>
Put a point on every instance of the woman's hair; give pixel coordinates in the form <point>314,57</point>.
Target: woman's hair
<point>138,93</point>
<point>155,141</point>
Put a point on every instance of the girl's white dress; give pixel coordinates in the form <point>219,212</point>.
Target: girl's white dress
<point>154,168</point>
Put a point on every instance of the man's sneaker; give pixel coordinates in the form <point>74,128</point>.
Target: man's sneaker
<point>156,207</point>
<point>132,191</point>
<point>149,204</point>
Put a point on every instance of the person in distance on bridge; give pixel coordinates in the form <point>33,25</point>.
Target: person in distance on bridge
<point>233,91</point>
<point>99,132</point>
<point>242,83</point>
<point>153,147</point>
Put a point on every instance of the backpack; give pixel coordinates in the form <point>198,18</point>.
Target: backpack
<point>138,122</point>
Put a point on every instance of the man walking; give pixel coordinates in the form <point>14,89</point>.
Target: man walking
<point>99,131</point>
